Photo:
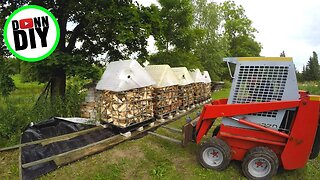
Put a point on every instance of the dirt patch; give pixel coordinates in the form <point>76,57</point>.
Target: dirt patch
<point>131,153</point>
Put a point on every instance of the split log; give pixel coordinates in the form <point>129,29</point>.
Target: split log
<point>166,100</point>
<point>126,107</point>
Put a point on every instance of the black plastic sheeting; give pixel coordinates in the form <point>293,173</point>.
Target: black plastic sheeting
<point>51,128</point>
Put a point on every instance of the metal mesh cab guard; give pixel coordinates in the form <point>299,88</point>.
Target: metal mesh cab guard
<point>263,79</point>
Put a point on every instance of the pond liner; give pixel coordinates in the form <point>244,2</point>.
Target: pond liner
<point>51,128</point>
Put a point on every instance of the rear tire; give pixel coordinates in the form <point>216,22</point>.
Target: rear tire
<point>214,154</point>
<point>260,163</point>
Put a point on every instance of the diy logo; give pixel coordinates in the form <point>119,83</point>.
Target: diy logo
<point>31,33</point>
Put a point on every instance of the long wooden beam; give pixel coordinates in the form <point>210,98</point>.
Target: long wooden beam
<point>52,139</point>
<point>76,154</point>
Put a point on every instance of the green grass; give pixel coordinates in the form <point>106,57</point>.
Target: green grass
<point>149,158</point>
<point>311,87</point>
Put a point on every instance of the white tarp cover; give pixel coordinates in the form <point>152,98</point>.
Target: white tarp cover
<point>124,75</point>
<point>183,75</point>
<point>197,75</point>
<point>163,75</point>
<point>206,77</point>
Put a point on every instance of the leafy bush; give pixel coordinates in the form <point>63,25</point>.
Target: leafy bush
<point>6,82</point>
<point>19,109</point>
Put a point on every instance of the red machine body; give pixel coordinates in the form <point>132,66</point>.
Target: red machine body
<point>293,148</point>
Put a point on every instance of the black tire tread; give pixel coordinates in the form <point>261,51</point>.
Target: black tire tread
<point>256,152</point>
<point>222,146</point>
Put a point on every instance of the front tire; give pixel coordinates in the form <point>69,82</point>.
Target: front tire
<point>214,154</point>
<point>260,163</point>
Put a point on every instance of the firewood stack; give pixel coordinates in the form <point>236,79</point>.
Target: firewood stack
<point>186,96</point>
<point>127,107</point>
<point>207,90</point>
<point>88,108</point>
<point>198,92</point>
<point>207,85</point>
<point>185,93</point>
<point>165,102</point>
<point>125,94</point>
<point>198,86</point>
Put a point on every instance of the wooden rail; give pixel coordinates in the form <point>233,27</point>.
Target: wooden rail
<point>53,139</point>
<point>76,154</point>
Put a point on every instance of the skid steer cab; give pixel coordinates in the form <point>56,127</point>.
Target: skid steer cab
<point>265,123</point>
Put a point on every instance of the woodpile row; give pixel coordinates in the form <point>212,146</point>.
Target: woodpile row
<point>88,110</point>
<point>207,90</point>
<point>165,101</point>
<point>125,108</point>
<point>198,92</point>
<point>137,105</point>
<point>186,96</point>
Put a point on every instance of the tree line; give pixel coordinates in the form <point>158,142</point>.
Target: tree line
<point>310,71</point>
<point>191,33</point>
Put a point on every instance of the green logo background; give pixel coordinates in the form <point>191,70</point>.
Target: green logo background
<point>13,51</point>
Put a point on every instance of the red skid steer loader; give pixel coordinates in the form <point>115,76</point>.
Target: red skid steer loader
<point>266,122</point>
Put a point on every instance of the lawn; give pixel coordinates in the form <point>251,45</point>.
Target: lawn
<point>148,158</point>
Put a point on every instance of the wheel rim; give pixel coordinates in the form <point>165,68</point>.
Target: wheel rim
<point>259,167</point>
<point>212,156</point>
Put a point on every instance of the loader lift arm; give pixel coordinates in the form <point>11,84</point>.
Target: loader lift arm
<point>219,108</point>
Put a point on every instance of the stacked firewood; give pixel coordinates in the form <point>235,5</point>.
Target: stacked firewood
<point>198,92</point>
<point>185,99</point>
<point>88,110</point>
<point>165,100</point>
<point>207,90</point>
<point>127,107</point>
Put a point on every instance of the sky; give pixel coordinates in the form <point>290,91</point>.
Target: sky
<point>292,26</point>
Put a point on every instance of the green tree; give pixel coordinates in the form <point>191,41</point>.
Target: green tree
<point>312,70</point>
<point>212,46</point>
<point>177,58</point>
<point>6,82</point>
<point>176,37</point>
<point>115,28</point>
<point>177,20</point>
<point>239,31</point>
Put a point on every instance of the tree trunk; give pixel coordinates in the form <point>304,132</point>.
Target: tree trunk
<point>58,83</point>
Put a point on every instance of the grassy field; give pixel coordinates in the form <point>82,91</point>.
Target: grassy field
<point>312,87</point>
<point>149,158</point>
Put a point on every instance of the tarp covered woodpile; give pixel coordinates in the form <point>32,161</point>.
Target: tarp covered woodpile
<point>185,87</point>
<point>127,107</point>
<point>124,95</point>
<point>165,90</point>
<point>207,85</point>
<point>198,86</point>
<point>88,107</point>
